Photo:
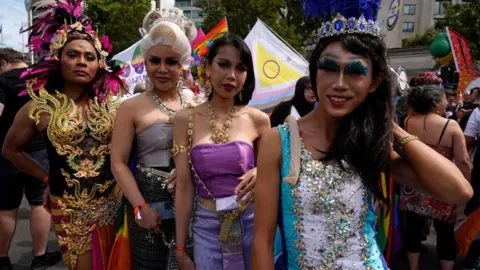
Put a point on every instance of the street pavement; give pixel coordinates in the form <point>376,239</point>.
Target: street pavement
<point>21,248</point>
<point>21,255</point>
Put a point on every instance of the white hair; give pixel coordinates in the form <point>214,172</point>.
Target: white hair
<point>170,28</point>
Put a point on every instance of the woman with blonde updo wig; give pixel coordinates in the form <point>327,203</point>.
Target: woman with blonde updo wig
<point>143,131</point>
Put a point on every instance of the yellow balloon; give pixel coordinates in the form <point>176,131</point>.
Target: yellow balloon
<point>446,60</point>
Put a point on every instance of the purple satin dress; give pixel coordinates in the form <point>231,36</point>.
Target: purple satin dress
<point>219,166</point>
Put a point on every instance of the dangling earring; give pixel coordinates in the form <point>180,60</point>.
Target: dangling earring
<point>180,84</point>
<point>208,88</point>
<point>240,96</point>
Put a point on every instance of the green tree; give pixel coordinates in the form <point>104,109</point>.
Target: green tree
<point>119,20</point>
<point>422,40</point>
<point>241,15</point>
<point>285,17</point>
<point>293,26</point>
<point>465,19</point>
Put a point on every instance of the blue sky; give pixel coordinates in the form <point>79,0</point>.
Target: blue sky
<point>12,15</point>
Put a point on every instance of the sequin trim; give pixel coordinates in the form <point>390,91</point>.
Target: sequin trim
<point>343,223</point>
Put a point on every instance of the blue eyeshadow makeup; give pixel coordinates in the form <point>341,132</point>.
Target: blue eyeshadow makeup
<point>328,64</point>
<point>357,67</point>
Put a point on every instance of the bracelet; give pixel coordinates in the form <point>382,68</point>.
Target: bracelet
<point>137,208</point>
<point>45,180</point>
<point>180,248</point>
<point>400,144</point>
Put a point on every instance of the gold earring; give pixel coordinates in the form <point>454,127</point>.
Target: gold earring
<point>208,88</point>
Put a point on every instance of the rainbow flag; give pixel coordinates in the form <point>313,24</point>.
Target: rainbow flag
<point>200,47</point>
<point>389,234</point>
<point>200,35</point>
<point>120,257</point>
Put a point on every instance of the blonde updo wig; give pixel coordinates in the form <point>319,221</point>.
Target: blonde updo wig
<point>170,28</point>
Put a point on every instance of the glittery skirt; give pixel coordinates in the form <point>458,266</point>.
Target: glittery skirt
<point>88,225</point>
<point>152,250</point>
<point>209,253</point>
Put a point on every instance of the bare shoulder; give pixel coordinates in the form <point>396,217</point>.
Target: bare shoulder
<point>182,117</point>
<point>27,116</point>
<point>453,124</point>
<point>131,102</point>
<point>27,105</point>
<point>450,126</point>
<point>271,142</point>
<point>455,128</point>
<point>259,118</point>
<point>24,112</point>
<point>29,110</point>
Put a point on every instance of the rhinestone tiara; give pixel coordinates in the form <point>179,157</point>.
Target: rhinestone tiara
<point>341,25</point>
<point>174,15</point>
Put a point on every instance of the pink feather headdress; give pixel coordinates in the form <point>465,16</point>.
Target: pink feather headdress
<point>61,20</point>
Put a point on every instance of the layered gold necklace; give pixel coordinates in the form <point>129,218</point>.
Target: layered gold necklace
<point>220,135</point>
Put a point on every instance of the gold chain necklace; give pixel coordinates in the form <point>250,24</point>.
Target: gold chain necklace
<point>220,135</point>
<point>169,112</point>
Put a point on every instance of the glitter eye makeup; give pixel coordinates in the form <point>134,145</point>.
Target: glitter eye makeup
<point>328,64</point>
<point>357,67</point>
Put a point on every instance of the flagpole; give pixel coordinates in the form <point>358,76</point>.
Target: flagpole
<point>286,43</point>
<point>30,22</point>
<point>23,40</point>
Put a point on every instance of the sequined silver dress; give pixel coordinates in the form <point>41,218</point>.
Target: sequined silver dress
<point>326,217</point>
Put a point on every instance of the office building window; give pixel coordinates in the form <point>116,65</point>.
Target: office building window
<point>195,14</point>
<point>182,3</point>
<point>408,27</point>
<point>187,13</point>
<point>409,9</point>
<point>439,9</point>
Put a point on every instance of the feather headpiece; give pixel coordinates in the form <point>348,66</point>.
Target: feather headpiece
<point>52,28</point>
<point>341,17</point>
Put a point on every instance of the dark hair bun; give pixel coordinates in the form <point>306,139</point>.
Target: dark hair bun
<point>422,98</point>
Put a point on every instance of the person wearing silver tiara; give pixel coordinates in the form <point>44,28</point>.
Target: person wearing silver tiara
<point>73,105</point>
<point>143,128</point>
<point>319,177</point>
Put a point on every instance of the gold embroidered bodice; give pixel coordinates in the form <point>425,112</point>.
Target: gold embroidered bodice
<point>67,129</point>
<point>83,191</point>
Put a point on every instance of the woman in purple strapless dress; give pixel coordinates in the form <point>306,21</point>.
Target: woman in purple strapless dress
<point>214,149</point>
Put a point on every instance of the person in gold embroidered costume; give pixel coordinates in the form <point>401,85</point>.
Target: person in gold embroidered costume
<point>74,103</point>
<point>143,127</point>
<point>215,148</point>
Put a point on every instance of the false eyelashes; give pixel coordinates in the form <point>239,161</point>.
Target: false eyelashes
<point>356,67</point>
<point>328,64</point>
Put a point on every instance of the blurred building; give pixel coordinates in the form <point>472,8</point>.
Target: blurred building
<point>191,11</point>
<point>402,19</point>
